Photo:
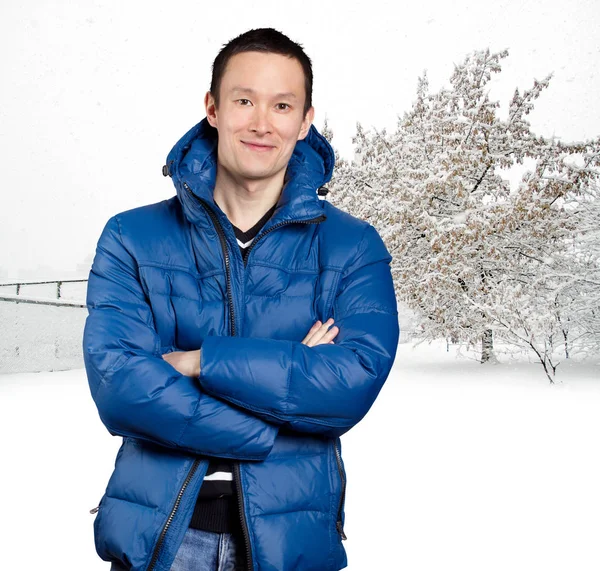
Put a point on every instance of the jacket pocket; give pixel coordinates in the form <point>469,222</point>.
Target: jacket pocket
<point>339,524</point>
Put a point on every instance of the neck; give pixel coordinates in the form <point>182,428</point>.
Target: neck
<point>245,202</point>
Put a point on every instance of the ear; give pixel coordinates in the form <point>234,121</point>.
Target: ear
<point>211,109</point>
<point>306,123</point>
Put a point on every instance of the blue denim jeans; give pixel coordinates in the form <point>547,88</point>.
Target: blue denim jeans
<point>207,551</point>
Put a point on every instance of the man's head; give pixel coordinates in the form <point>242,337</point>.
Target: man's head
<point>260,104</point>
<point>263,40</point>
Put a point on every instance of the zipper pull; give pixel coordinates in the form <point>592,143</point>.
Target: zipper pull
<point>341,530</point>
<point>95,510</point>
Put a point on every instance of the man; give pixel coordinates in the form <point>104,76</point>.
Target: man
<point>210,345</point>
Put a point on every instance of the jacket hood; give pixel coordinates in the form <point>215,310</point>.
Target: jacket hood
<point>192,164</point>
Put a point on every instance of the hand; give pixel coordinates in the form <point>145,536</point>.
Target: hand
<point>321,333</point>
<point>185,362</point>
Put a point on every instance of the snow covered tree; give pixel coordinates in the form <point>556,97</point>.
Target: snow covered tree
<point>474,257</point>
<point>578,297</point>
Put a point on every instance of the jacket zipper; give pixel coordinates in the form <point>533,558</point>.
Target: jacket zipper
<point>223,240</point>
<point>163,533</point>
<point>338,523</point>
<point>238,485</point>
<point>235,465</point>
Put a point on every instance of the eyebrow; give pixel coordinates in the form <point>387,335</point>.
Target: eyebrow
<point>250,91</point>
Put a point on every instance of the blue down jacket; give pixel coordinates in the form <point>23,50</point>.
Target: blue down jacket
<point>170,277</point>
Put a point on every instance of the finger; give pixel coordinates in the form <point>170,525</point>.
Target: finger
<point>316,332</point>
<point>323,337</point>
<point>330,335</point>
<point>320,332</point>
<point>312,331</point>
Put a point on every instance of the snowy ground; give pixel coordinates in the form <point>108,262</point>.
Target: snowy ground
<point>457,466</point>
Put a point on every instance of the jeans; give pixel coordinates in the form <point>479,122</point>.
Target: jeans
<point>207,551</point>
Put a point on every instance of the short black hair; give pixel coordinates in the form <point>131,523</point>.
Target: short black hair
<point>266,40</point>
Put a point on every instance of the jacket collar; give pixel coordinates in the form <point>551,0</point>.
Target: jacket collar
<point>192,163</point>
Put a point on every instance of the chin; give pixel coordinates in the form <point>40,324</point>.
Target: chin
<point>253,175</point>
<point>255,172</point>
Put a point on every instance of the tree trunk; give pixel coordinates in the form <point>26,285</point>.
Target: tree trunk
<point>487,346</point>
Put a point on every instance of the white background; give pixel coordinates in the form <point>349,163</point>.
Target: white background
<point>95,93</point>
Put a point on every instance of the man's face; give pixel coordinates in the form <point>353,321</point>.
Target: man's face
<point>260,114</point>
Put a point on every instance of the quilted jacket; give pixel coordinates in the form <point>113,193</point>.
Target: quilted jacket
<point>170,277</point>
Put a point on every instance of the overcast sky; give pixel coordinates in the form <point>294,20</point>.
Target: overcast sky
<point>95,93</point>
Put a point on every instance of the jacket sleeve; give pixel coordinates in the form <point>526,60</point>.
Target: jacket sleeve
<point>136,391</point>
<point>325,389</point>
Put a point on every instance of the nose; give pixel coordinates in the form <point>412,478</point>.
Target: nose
<point>260,122</point>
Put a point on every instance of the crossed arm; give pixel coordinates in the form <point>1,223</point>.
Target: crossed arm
<point>241,390</point>
<point>188,362</point>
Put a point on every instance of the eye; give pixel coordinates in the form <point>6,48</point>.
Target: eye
<point>282,106</point>
<point>244,102</point>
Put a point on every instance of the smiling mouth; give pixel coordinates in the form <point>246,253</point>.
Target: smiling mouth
<point>258,146</point>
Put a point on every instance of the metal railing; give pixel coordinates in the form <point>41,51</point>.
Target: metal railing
<point>18,298</point>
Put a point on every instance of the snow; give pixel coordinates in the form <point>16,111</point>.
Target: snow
<point>457,466</point>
